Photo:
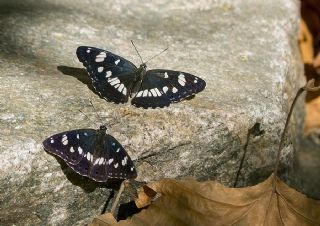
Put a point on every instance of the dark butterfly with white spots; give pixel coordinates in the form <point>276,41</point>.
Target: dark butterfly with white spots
<point>92,153</point>
<point>116,79</point>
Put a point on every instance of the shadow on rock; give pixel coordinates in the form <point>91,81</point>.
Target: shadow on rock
<point>78,73</point>
<point>127,210</point>
<point>88,185</point>
<point>15,16</point>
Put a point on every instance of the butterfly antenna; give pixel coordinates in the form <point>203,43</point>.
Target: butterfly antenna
<point>98,116</point>
<point>137,51</point>
<point>87,117</point>
<point>157,54</point>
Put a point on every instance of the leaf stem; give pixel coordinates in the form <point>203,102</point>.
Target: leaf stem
<point>300,91</point>
<point>308,87</point>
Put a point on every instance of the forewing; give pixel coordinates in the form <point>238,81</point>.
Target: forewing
<point>112,76</point>
<point>73,147</point>
<point>161,87</point>
<point>115,163</point>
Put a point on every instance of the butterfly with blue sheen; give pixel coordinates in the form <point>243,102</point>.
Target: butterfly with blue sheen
<point>116,79</point>
<point>92,153</point>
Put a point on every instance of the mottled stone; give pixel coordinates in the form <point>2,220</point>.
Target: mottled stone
<point>245,50</point>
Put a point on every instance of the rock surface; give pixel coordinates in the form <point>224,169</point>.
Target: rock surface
<point>246,52</point>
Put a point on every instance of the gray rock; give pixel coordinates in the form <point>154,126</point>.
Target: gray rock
<point>246,52</point>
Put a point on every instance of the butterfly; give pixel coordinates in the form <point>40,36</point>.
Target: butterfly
<point>92,153</point>
<point>116,79</point>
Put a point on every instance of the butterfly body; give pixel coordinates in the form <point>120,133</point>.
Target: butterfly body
<point>139,77</point>
<point>92,153</point>
<point>116,79</point>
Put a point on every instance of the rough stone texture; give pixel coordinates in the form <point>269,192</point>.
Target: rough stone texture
<point>245,50</point>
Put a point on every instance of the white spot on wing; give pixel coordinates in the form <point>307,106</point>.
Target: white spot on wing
<point>124,161</point>
<point>181,76</point>
<point>121,88</point>
<point>86,134</point>
<point>131,169</point>
<point>124,91</point>
<point>174,90</point>
<point>117,85</point>
<point>101,57</point>
<point>166,75</point>
<point>139,94</point>
<point>80,150</point>
<point>181,82</point>
<point>100,69</point>
<point>165,89</point>
<point>88,156</point>
<point>145,93</point>
<point>108,74</point>
<point>71,150</point>
<point>117,61</point>
<point>118,150</point>
<point>114,81</point>
<point>182,79</point>
<point>64,139</point>
<point>110,161</point>
<point>96,162</point>
<point>116,165</point>
<point>154,93</point>
<point>101,161</point>
<point>158,92</point>
<point>78,137</point>
<point>51,141</point>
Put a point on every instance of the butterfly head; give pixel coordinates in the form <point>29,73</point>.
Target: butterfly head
<point>143,65</point>
<point>103,128</point>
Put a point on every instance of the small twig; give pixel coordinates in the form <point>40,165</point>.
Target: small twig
<point>116,200</point>
<point>308,87</point>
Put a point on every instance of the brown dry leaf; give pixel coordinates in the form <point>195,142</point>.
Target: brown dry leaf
<point>104,220</point>
<point>145,196</point>
<point>188,202</point>
<point>312,121</point>
<point>306,43</point>
<point>309,43</point>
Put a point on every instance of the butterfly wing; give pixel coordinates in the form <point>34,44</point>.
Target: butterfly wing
<point>73,147</point>
<point>112,76</point>
<point>113,163</point>
<point>83,153</point>
<point>161,87</point>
